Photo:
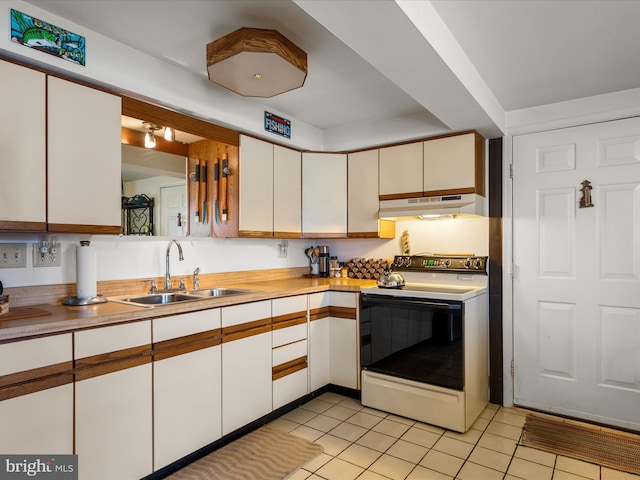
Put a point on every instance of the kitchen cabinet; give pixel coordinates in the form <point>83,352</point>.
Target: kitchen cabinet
<point>36,396</point>
<point>454,164</point>
<point>270,190</point>
<point>362,198</point>
<point>401,171</point>
<point>187,398</point>
<point>289,354</point>
<point>22,149</point>
<point>333,340</point>
<point>113,420</point>
<point>83,158</point>
<point>324,195</point>
<point>246,364</point>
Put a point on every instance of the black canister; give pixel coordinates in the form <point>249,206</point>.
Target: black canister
<point>323,260</point>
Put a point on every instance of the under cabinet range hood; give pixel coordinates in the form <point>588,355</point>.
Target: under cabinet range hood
<point>433,207</point>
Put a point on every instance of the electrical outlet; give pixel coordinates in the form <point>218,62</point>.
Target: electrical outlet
<point>13,255</point>
<point>47,259</point>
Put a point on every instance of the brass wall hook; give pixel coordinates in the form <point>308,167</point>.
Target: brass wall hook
<point>586,199</point>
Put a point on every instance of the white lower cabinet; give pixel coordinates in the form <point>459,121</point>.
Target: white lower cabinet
<point>187,399</point>
<point>290,354</point>
<point>35,420</point>
<point>333,340</point>
<point>113,419</point>
<point>246,364</point>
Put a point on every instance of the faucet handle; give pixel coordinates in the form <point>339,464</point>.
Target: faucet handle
<point>152,287</point>
<point>182,286</point>
<point>196,279</point>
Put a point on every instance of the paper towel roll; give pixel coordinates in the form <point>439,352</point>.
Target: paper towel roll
<point>86,268</point>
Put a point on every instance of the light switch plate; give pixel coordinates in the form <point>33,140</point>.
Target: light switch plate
<point>13,255</point>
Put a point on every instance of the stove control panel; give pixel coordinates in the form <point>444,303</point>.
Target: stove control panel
<point>428,263</point>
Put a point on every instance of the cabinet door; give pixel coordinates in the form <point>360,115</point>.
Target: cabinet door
<point>362,197</point>
<point>344,351</point>
<point>22,148</point>
<point>113,410</point>
<point>287,192</point>
<point>246,364</point>
<point>319,341</point>
<point>36,420</point>
<point>256,187</point>
<point>401,170</point>
<point>324,195</point>
<point>84,155</point>
<point>454,164</point>
<point>187,382</point>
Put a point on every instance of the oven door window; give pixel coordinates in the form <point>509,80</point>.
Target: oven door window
<point>417,339</point>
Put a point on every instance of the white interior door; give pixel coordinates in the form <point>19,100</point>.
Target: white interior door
<point>173,211</point>
<point>577,272</point>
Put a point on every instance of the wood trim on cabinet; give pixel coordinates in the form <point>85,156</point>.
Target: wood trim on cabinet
<point>323,235</point>
<point>93,229</point>
<point>188,343</point>
<point>318,313</point>
<point>10,226</point>
<point>287,234</point>
<point>288,368</point>
<point>110,362</point>
<point>289,320</point>
<point>450,191</point>
<point>399,196</point>
<point>35,374</point>
<point>481,188</point>
<point>255,234</point>
<point>343,312</point>
<point>36,379</point>
<point>244,330</point>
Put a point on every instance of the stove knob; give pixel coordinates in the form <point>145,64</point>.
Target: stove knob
<point>467,263</point>
<point>477,263</point>
<point>447,262</point>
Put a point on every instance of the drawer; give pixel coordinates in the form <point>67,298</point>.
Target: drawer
<point>287,335</point>
<point>289,352</point>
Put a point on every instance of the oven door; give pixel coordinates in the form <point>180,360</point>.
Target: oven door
<point>413,338</point>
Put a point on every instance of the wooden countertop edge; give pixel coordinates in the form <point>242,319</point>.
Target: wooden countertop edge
<point>65,318</point>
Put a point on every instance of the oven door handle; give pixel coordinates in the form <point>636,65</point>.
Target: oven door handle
<point>389,300</point>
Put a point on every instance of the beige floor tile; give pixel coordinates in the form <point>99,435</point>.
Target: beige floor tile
<point>299,415</point>
<point>490,458</point>
<point>323,423</point>
<point>299,474</point>
<point>578,467</point>
<point>560,475</point>
<point>510,418</point>
<point>472,471</point>
<point>422,473</point>
<point>339,412</point>
<point>375,412</point>
<point>442,462</point>
<point>376,441</point>
<point>399,419</point>
<point>470,436</point>
<point>488,413</point>
<point>317,462</point>
<point>493,406</point>
<point>348,431</point>
<point>318,406</point>
<point>453,447</point>
<point>307,433</point>
<point>421,437</point>
<point>495,442</point>
<point>332,445</point>
<point>369,475</point>
<point>407,451</point>
<point>363,419</point>
<point>529,470</point>
<point>392,467</point>
<point>332,397</point>
<point>481,424</point>
<point>504,430</point>
<point>536,456</point>
<point>359,455</point>
<point>337,469</point>
<point>610,474</point>
<point>351,403</point>
<point>283,425</point>
<point>391,428</point>
<point>430,428</point>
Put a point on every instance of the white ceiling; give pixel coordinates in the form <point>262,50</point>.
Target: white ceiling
<point>436,66</point>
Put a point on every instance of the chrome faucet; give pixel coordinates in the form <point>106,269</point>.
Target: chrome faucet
<point>167,276</point>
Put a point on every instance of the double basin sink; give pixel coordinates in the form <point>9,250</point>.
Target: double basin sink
<point>170,298</point>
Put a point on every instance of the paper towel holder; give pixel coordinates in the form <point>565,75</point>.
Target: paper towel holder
<point>77,301</point>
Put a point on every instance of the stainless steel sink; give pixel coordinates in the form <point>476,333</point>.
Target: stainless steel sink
<point>153,299</point>
<point>219,292</point>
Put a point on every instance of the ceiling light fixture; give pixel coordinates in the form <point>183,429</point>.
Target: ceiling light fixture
<point>256,62</point>
<point>169,134</point>
<point>150,136</point>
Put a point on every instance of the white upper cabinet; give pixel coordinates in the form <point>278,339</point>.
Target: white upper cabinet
<point>84,154</point>
<point>401,169</point>
<point>324,195</point>
<point>454,164</point>
<point>22,148</point>
<point>287,192</point>
<point>362,197</point>
<point>270,189</point>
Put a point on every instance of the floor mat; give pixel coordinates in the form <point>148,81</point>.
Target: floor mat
<point>264,454</point>
<point>614,450</point>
